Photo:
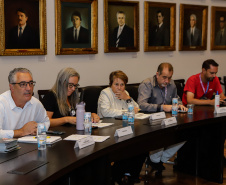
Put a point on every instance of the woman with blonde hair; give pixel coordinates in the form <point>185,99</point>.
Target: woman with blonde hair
<point>60,102</point>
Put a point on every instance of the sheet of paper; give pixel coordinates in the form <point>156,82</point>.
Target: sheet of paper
<point>142,116</point>
<point>33,139</point>
<point>75,137</point>
<point>101,125</point>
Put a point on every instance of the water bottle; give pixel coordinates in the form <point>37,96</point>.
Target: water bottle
<point>130,105</point>
<point>87,123</point>
<point>41,136</point>
<point>174,106</point>
<point>217,101</point>
<point>80,115</point>
<point>131,116</point>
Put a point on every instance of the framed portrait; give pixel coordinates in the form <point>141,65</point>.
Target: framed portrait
<point>121,26</point>
<point>159,26</point>
<point>193,27</point>
<point>23,27</point>
<point>76,27</point>
<point>218,28</point>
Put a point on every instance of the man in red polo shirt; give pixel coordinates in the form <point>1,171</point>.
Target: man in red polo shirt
<point>199,88</point>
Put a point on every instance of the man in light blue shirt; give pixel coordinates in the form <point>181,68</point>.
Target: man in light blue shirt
<point>20,112</point>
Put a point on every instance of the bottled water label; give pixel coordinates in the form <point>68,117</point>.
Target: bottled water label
<point>130,119</point>
<point>130,107</point>
<point>175,101</point>
<point>174,112</point>
<point>41,128</point>
<point>87,117</point>
<point>125,116</point>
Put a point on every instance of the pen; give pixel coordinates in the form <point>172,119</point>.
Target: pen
<point>46,137</point>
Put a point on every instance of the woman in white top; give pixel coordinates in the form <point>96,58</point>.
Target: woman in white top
<point>114,99</point>
<point>111,102</point>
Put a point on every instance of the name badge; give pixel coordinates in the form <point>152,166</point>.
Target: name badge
<point>84,142</point>
<point>169,121</point>
<point>159,115</point>
<point>220,110</point>
<point>123,131</point>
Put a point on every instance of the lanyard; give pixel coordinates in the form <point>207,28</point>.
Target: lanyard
<point>203,86</point>
<point>164,97</point>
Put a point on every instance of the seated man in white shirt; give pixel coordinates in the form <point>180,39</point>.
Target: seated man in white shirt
<point>20,112</point>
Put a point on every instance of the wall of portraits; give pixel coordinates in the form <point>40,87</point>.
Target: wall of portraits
<point>94,69</point>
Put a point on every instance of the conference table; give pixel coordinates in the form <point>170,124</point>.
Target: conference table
<point>202,155</point>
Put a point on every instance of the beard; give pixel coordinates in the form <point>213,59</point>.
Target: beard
<point>210,79</point>
<point>164,85</point>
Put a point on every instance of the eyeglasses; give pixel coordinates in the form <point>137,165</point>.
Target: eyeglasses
<point>24,84</point>
<point>71,85</point>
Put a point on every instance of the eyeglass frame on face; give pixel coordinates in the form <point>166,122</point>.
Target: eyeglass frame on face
<point>71,85</point>
<point>24,84</point>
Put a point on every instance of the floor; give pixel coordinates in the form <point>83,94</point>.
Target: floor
<point>171,177</point>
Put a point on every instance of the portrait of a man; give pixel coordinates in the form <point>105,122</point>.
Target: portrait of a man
<point>193,27</point>
<point>220,39</point>
<point>22,35</point>
<point>123,35</point>
<point>77,33</point>
<point>193,34</point>
<point>76,27</point>
<point>159,33</point>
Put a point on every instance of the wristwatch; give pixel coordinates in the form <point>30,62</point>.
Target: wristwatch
<point>129,100</point>
<point>159,108</point>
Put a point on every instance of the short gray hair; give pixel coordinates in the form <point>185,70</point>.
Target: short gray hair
<point>12,74</point>
<point>120,12</point>
<point>193,15</point>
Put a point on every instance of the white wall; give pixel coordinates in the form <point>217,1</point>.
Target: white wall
<point>95,69</point>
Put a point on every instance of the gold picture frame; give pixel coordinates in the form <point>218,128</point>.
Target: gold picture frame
<point>218,28</point>
<point>86,41</point>
<point>23,40</point>
<point>159,26</point>
<point>123,38</point>
<point>193,15</point>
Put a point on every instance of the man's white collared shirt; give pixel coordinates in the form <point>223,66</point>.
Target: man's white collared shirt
<point>192,31</point>
<point>160,25</point>
<point>13,117</point>
<point>120,28</point>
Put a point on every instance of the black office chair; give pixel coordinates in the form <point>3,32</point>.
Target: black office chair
<point>41,94</point>
<point>180,83</point>
<point>90,95</point>
<point>223,83</point>
<point>133,90</point>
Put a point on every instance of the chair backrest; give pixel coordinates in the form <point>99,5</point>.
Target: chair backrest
<point>42,93</point>
<point>90,95</point>
<point>223,83</point>
<point>180,83</point>
<point>133,90</point>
